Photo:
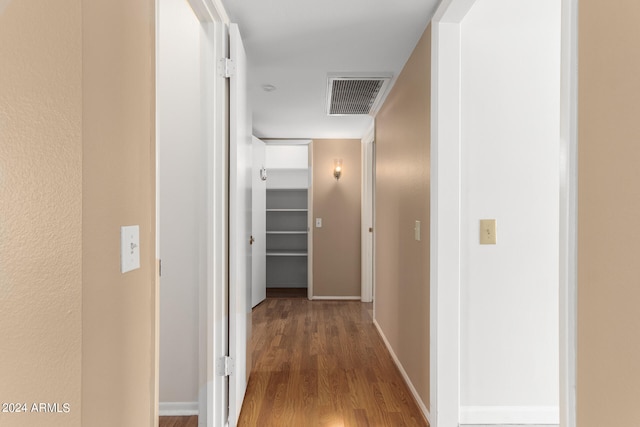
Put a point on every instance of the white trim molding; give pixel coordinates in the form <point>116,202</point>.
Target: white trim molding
<point>445,212</point>
<point>404,374</point>
<point>510,415</point>
<point>568,279</point>
<point>178,409</point>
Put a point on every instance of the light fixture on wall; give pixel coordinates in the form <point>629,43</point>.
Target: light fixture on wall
<point>337,168</point>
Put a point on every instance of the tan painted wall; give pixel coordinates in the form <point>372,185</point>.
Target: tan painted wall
<point>77,162</point>
<point>40,209</point>
<point>119,310</point>
<point>402,196</point>
<point>608,214</point>
<point>336,246</point>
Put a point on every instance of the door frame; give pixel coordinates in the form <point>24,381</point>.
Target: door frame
<point>367,212</point>
<point>213,310</point>
<point>445,217</point>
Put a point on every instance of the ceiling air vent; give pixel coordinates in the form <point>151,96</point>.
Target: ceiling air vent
<point>355,95</point>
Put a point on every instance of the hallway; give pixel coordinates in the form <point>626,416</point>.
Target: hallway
<point>322,363</point>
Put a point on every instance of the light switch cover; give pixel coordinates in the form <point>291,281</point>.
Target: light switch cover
<point>488,232</point>
<point>129,248</point>
<point>318,222</point>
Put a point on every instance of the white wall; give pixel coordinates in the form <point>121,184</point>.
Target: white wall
<point>181,164</point>
<point>287,156</point>
<point>287,166</point>
<point>510,171</point>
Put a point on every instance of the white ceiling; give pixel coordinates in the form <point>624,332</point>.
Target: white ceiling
<point>294,44</point>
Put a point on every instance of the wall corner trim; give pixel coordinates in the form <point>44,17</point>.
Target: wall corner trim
<point>178,409</point>
<point>413,390</point>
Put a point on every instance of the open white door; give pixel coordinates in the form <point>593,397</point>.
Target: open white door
<point>240,166</point>
<point>259,227</point>
<point>366,221</point>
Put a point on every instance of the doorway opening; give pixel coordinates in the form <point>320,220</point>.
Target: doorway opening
<point>191,176</point>
<point>479,140</point>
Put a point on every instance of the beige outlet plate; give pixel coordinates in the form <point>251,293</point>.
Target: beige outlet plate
<point>487,231</point>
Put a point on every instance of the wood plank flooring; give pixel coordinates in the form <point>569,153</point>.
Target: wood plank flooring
<point>179,421</point>
<point>322,363</point>
<point>286,292</point>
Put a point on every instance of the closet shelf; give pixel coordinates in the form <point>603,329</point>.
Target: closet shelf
<point>287,232</point>
<point>286,253</point>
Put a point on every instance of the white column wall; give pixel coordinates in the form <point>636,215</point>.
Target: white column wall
<point>510,86</point>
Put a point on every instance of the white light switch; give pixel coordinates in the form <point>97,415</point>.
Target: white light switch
<point>416,231</point>
<point>129,248</point>
<point>318,222</point>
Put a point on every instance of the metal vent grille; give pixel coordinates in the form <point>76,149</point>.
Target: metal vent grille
<point>352,96</point>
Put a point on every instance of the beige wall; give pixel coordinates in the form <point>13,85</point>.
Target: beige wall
<point>77,162</point>
<point>40,209</point>
<point>336,246</point>
<point>402,197</point>
<point>119,310</point>
<point>609,214</point>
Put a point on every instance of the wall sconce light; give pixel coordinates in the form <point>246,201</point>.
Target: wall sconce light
<point>337,168</point>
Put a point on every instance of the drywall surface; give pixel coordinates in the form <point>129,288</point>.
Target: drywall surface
<point>336,246</point>
<point>118,132</point>
<point>287,166</point>
<point>181,163</point>
<point>40,212</point>
<point>403,141</point>
<point>510,172</point>
<point>287,156</point>
<point>608,200</point>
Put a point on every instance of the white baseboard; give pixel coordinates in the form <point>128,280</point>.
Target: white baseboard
<point>413,390</point>
<point>177,409</point>
<point>501,415</point>
<point>341,298</point>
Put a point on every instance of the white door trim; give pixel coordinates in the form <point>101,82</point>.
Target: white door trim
<point>213,311</point>
<point>568,300</point>
<point>445,214</point>
<point>310,223</point>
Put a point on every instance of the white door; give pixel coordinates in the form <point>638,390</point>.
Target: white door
<point>368,148</point>
<point>240,166</point>
<point>259,227</point>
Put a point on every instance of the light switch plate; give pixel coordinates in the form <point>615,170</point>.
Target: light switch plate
<point>129,248</point>
<point>416,231</point>
<point>318,222</point>
<point>488,232</point>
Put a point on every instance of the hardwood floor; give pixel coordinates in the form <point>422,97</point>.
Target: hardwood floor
<point>286,292</point>
<point>322,363</point>
<point>179,421</point>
